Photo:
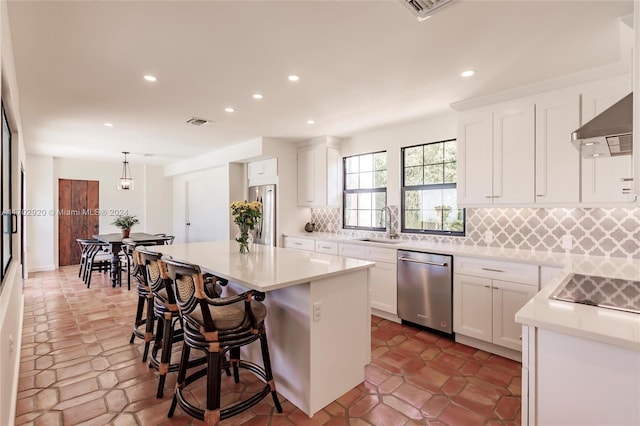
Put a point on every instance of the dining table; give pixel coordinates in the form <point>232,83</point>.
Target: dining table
<point>115,245</point>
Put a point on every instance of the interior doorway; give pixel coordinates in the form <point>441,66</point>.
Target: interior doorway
<point>78,206</point>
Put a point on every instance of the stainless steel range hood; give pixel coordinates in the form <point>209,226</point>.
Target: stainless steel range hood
<point>610,133</point>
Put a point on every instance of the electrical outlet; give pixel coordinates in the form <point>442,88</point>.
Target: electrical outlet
<point>488,237</point>
<point>317,311</point>
<point>567,242</point>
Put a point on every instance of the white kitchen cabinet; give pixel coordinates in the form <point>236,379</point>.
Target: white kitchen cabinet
<point>384,276</point>
<point>318,176</point>
<point>327,247</point>
<point>557,162</point>
<point>496,155</point>
<point>487,294</point>
<point>262,168</point>
<point>299,243</point>
<point>604,179</point>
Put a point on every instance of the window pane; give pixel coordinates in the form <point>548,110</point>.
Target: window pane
<point>380,179</point>
<point>433,174</point>
<point>352,181</point>
<point>351,218</point>
<point>412,176</point>
<point>433,153</point>
<point>431,198</point>
<point>366,163</point>
<point>379,200</point>
<point>412,200</point>
<point>366,180</point>
<point>413,156</point>
<point>380,161</point>
<point>378,219</point>
<point>6,194</point>
<point>350,201</point>
<point>453,222</point>
<point>450,173</point>
<point>364,200</point>
<point>352,165</point>
<point>412,219</point>
<point>450,149</point>
<point>449,198</point>
<point>431,220</point>
<point>364,218</point>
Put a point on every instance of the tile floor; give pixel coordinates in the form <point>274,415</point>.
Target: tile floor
<point>78,367</point>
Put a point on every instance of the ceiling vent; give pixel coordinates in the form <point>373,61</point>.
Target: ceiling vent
<point>423,9</point>
<point>197,121</point>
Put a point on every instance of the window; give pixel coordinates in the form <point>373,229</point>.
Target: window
<point>7,217</point>
<point>365,190</point>
<point>429,195</point>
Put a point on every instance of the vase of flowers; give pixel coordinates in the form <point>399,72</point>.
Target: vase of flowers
<point>246,215</point>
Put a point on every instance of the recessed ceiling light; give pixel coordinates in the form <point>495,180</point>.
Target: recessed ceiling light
<point>229,109</point>
<point>150,78</point>
<point>294,77</point>
<point>467,73</point>
<point>589,143</point>
<point>256,96</point>
<point>595,155</point>
<point>311,122</point>
<point>108,124</point>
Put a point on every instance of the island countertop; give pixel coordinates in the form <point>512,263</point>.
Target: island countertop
<point>265,268</point>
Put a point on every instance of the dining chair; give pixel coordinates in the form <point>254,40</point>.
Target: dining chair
<point>98,258</point>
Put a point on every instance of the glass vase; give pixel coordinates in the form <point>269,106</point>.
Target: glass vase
<point>245,241</point>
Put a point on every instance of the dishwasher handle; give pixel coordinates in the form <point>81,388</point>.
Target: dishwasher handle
<point>424,262</point>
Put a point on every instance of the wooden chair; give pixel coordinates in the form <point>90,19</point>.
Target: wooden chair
<point>144,312</point>
<point>217,326</point>
<point>98,258</point>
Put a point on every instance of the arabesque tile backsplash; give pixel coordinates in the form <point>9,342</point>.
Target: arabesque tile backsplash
<point>594,231</point>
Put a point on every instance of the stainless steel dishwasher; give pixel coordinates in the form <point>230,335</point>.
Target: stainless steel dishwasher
<point>425,289</point>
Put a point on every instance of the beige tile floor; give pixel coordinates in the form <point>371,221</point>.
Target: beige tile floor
<point>78,367</point>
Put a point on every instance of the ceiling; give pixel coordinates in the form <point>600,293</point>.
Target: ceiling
<point>362,65</point>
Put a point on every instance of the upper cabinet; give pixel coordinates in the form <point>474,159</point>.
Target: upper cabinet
<point>262,168</point>
<point>496,155</point>
<point>606,179</point>
<point>520,153</point>
<point>319,174</point>
<point>557,161</point>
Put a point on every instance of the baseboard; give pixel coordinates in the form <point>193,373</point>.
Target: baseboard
<point>385,315</point>
<point>489,347</point>
<point>42,269</point>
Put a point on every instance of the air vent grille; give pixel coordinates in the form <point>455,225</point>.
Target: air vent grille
<point>424,8</point>
<point>197,121</point>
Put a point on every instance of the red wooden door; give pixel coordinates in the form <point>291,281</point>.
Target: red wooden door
<point>78,204</point>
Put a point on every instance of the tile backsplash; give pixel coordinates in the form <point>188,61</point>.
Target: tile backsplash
<point>593,231</point>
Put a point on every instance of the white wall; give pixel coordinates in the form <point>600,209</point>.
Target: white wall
<point>158,201</point>
<point>393,138</point>
<point>208,196</point>
<point>11,298</point>
<point>41,247</point>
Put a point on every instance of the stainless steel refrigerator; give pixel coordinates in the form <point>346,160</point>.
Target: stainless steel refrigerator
<point>265,232</point>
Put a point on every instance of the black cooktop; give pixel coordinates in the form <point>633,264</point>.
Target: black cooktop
<point>612,293</point>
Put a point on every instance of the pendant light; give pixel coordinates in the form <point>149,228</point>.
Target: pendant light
<point>126,181</point>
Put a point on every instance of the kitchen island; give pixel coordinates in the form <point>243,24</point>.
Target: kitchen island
<point>581,363</point>
<point>318,319</point>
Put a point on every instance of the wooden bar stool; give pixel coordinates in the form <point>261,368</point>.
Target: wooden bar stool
<point>144,311</point>
<point>217,326</point>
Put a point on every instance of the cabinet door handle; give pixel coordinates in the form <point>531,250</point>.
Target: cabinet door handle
<point>424,262</point>
<point>540,195</point>
<point>487,286</point>
<point>626,179</point>
<point>492,270</point>
<point>626,190</point>
<point>298,244</point>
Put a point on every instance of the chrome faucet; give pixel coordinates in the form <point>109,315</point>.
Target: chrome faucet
<point>387,213</point>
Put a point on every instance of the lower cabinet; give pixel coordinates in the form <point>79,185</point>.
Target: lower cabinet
<point>299,243</point>
<point>484,306</point>
<point>383,276</point>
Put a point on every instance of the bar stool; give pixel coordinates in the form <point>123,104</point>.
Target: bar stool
<point>217,326</point>
<point>144,311</point>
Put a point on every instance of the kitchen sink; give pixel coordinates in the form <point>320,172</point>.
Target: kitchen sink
<point>380,240</point>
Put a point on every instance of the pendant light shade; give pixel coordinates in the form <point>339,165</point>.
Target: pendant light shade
<point>126,181</point>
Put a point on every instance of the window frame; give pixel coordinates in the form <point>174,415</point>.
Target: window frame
<point>436,186</point>
<point>346,191</point>
<point>7,216</point>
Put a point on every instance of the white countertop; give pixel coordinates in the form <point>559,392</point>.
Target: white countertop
<point>594,323</point>
<point>264,268</point>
